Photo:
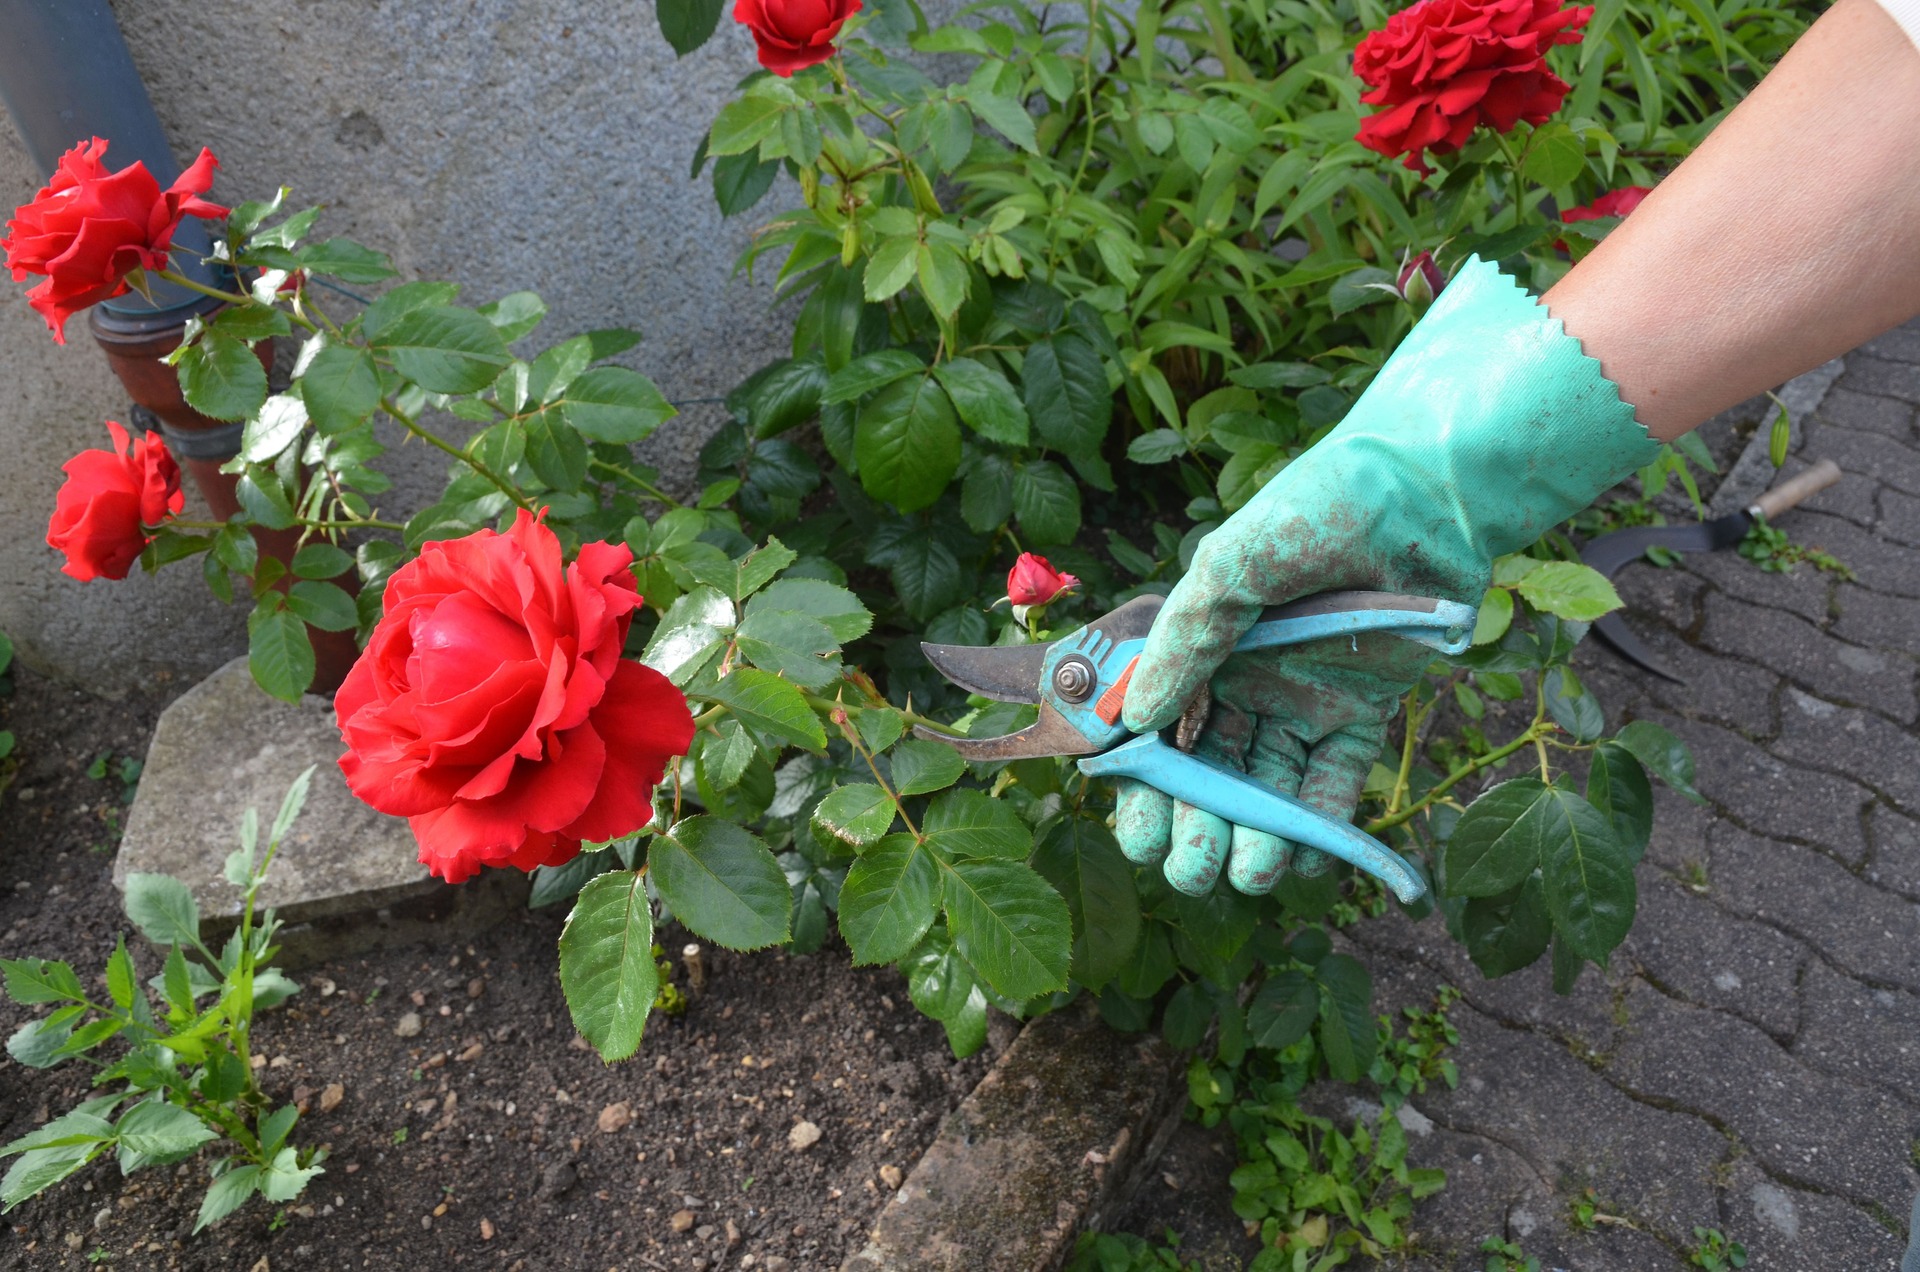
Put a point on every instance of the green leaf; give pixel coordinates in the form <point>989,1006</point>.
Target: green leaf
<point>1184,1023</point>
<point>942,272</point>
<point>1083,862</point>
<point>347,261</point>
<point>1569,590</point>
<point>33,980</point>
<point>285,1178</point>
<point>323,605</point>
<point>859,813</point>
<point>1156,447</point>
<point>321,561</point>
<point>1065,385</point>
<point>907,443</point>
<point>723,883</point>
<point>1505,936</point>
<point>785,395</point>
<point>740,181</point>
<point>273,428</point>
<point>1496,615</point>
<point>1589,878</point>
<point>1359,288</point>
<point>694,628</point>
<point>926,577</point>
<point>40,1044</point>
<point>1008,118</point>
<point>1572,707</point>
<point>122,981</point>
<point>1010,924</point>
<point>606,963</point>
<point>874,371</point>
<point>82,1125</point>
<point>1496,842</point>
<point>889,899</point>
<point>555,450</point>
<point>41,1168</point>
<point>839,610</point>
<point>687,24</point>
<point>973,824</point>
<point>743,123</point>
<point>562,883</point>
<point>161,1131</point>
<point>921,766</point>
<point>163,909</point>
<point>279,652</point>
<point>1555,156</point>
<point>769,705</point>
<point>1279,375</point>
<point>1347,1036</point>
<point>444,349</point>
<point>986,497</point>
<point>985,400</point>
<point>890,268</point>
<point>1047,501</point>
<point>516,314</point>
<point>796,646</point>
<point>222,378</point>
<point>226,1194</point>
<point>1566,965</point>
<point>1665,756</point>
<point>1282,1012</point>
<point>613,404</point>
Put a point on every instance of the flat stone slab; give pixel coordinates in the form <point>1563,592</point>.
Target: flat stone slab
<point>346,878</point>
<point>1055,1138</point>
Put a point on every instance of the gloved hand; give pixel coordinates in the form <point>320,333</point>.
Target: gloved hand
<point>1487,427</point>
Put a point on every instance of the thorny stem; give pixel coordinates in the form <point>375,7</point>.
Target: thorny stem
<point>652,491</point>
<point>232,298</point>
<point>412,426</point>
<point>899,805</point>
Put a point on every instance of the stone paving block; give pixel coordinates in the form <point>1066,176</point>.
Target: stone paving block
<point>1900,521</point>
<point>1691,947</point>
<point>1774,796</point>
<point>1881,377</point>
<point>1836,739</point>
<point>1575,1127</point>
<point>1872,618</point>
<point>1801,1124</point>
<point>1865,1035</point>
<point>1868,931</point>
<point>1791,646</point>
<point>1670,596</point>
<point>1863,457</point>
<point>1802,591</point>
<point>346,879</point>
<point>1878,565</point>
<point>1728,691</point>
<point>1680,827</point>
<point>1845,404</point>
<point>1902,344</point>
<point>1896,850</point>
<point>1787,1229</point>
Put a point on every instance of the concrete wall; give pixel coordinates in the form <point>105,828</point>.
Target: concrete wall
<point>504,144</point>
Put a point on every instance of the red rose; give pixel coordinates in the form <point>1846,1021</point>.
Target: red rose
<point>89,228</point>
<point>792,35</point>
<point>109,498</point>
<point>1612,203</point>
<point>1443,67</point>
<point>492,708</point>
<point>1034,581</point>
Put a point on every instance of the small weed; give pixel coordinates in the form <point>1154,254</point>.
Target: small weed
<point>400,1136</point>
<point>1694,875</point>
<point>1507,1256</point>
<point>279,1220</point>
<point>1587,1212</point>
<point>1714,1253</point>
<point>670,998</point>
<point>1365,898</point>
<point>746,1185</point>
<point>418,1075</point>
<point>1404,1065</point>
<point>99,1254</point>
<point>1122,1252</point>
<point>1769,548</point>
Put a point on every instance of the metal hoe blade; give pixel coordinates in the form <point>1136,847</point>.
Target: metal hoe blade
<point>1051,734</point>
<point>1610,552</point>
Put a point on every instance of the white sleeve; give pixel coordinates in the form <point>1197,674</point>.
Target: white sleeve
<point>1907,14</point>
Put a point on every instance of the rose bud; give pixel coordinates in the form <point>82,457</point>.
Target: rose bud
<point>1034,581</point>
<point>1421,280</point>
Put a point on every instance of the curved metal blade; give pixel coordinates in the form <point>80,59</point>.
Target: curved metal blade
<point>1005,673</point>
<point>1614,632</point>
<point>1611,551</point>
<point>1051,734</point>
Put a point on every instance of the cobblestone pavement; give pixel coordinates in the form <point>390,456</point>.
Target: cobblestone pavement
<point>1751,1061</point>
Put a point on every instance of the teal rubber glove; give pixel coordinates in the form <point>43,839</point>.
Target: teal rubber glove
<point>1487,427</point>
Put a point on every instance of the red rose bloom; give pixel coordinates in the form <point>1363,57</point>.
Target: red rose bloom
<point>1612,203</point>
<point>89,228</point>
<point>1034,581</point>
<point>109,498</point>
<point>1443,67</point>
<point>492,708</point>
<point>792,35</point>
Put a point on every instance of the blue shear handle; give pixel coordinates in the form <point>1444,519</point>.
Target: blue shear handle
<point>1238,798</point>
<point>1443,625</point>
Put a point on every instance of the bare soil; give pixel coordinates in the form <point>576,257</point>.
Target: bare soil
<point>491,1137</point>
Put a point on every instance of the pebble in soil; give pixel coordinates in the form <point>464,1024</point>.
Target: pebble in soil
<point>487,1138</point>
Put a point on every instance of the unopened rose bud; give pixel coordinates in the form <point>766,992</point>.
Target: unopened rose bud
<point>1421,280</point>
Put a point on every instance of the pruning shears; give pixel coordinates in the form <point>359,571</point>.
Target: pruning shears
<point>1079,682</point>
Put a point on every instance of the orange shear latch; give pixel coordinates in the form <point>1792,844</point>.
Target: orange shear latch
<point>1108,708</point>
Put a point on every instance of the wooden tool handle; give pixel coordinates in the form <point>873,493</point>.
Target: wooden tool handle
<point>1788,493</point>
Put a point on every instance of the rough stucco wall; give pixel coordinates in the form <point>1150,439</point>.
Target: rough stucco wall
<point>504,144</point>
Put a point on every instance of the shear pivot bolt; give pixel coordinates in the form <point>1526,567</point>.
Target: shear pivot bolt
<point>1074,680</point>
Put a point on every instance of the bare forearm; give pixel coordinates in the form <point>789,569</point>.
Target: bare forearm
<point>1789,237</point>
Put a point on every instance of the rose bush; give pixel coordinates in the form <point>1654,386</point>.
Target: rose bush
<point>90,228</point>
<point>110,501</point>
<point>492,708</point>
